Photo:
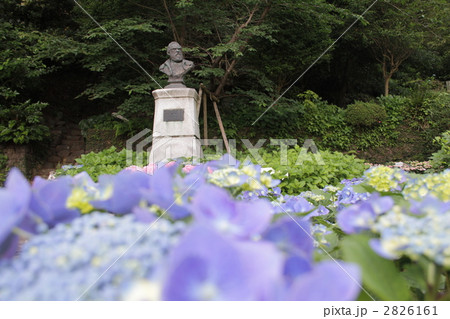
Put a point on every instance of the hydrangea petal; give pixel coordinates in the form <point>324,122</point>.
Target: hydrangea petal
<point>49,198</point>
<point>328,281</point>
<point>291,236</point>
<point>161,193</point>
<point>377,247</point>
<point>213,206</point>
<point>19,187</point>
<point>125,193</point>
<point>217,275</point>
<point>356,218</point>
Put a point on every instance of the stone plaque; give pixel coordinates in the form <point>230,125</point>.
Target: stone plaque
<point>173,115</point>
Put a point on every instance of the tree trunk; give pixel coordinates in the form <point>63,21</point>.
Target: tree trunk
<point>386,85</point>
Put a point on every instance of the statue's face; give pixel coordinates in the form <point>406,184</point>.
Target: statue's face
<point>176,54</point>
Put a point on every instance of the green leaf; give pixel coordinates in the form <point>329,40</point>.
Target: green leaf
<point>414,274</point>
<point>379,275</point>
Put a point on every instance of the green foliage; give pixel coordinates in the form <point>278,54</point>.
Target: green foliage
<point>325,121</point>
<point>248,52</point>
<point>395,107</point>
<point>365,114</point>
<point>392,109</point>
<point>108,161</point>
<point>307,171</point>
<point>379,276</point>
<point>22,56</point>
<point>441,159</point>
<point>401,28</point>
<point>102,121</point>
<point>429,105</point>
<point>437,106</point>
<point>22,123</point>
<point>105,121</point>
<point>3,168</point>
<point>124,86</point>
<point>121,124</point>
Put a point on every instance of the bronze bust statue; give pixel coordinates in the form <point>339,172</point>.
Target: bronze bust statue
<point>176,66</point>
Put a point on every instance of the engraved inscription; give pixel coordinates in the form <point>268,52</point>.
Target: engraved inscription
<point>173,115</point>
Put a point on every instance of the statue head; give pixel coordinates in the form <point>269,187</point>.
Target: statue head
<point>175,52</point>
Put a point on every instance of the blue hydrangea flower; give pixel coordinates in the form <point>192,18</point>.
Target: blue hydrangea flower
<point>348,196</point>
<point>292,204</point>
<point>353,181</point>
<point>425,231</point>
<point>68,261</point>
<point>362,216</point>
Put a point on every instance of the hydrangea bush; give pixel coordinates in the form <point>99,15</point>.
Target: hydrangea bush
<point>223,230</point>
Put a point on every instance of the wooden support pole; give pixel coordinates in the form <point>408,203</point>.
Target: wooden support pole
<point>205,119</point>
<point>222,130</point>
<point>199,102</point>
<point>211,95</point>
<point>216,109</point>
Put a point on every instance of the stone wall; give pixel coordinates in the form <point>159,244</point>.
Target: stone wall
<point>65,146</point>
<point>19,156</point>
<point>98,140</point>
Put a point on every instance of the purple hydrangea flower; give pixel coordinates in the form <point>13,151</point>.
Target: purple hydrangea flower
<point>375,244</point>
<point>48,200</point>
<point>162,193</point>
<point>361,216</point>
<point>14,213</point>
<point>291,236</point>
<point>328,281</point>
<point>207,266</point>
<point>293,204</point>
<point>144,215</point>
<point>125,191</point>
<point>215,207</point>
<point>356,218</point>
<point>429,205</point>
<point>353,181</point>
<point>320,211</point>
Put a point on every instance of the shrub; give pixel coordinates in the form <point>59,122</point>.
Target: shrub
<point>395,107</point>
<point>441,159</point>
<point>307,171</point>
<point>438,106</point>
<point>108,161</point>
<point>21,122</point>
<point>364,114</point>
<point>325,121</point>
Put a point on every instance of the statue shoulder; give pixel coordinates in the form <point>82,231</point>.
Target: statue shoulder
<point>188,63</point>
<point>164,65</point>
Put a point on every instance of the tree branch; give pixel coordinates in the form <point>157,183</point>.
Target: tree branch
<point>172,25</point>
<point>233,39</point>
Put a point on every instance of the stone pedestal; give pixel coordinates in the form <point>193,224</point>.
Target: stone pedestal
<point>176,131</point>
